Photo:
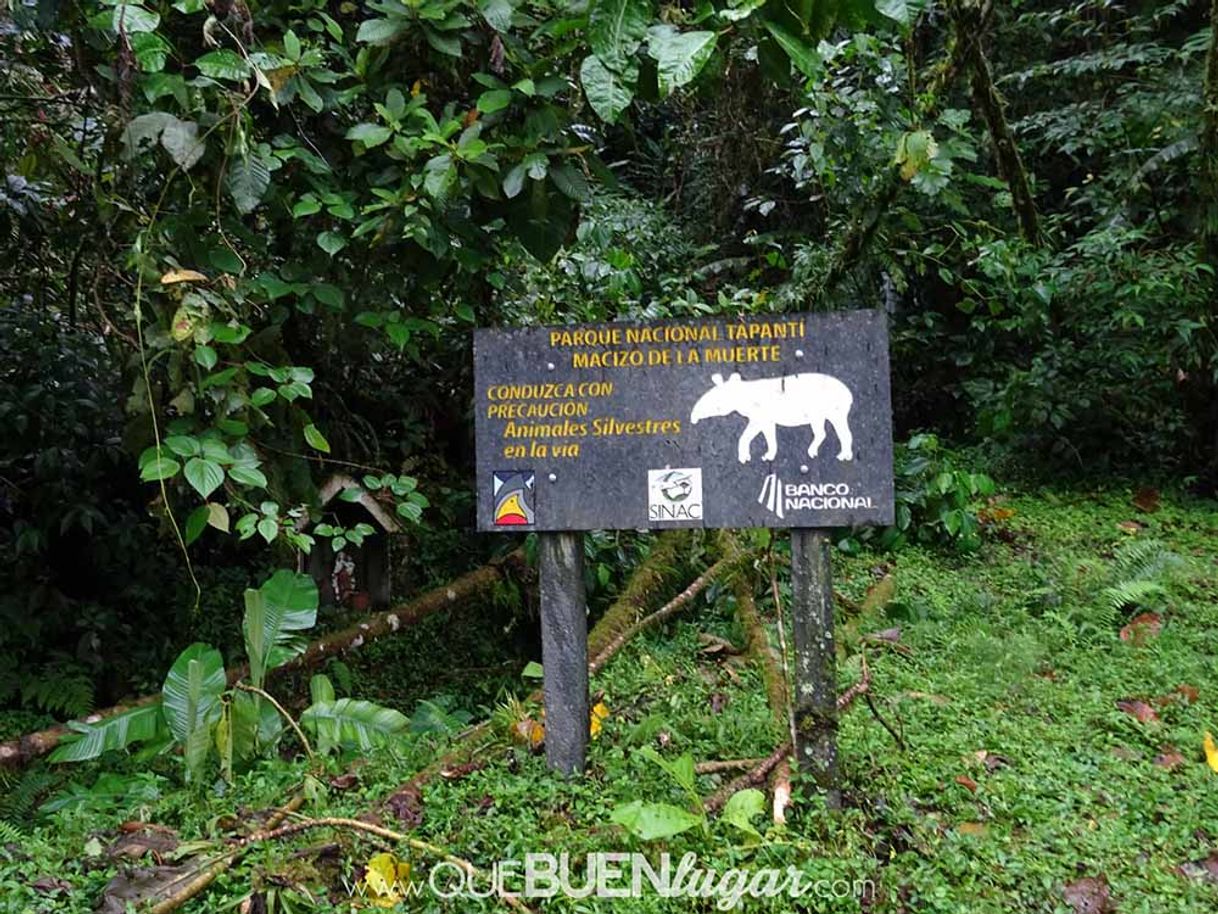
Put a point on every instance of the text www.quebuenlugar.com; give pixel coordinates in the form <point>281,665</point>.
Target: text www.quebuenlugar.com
<point>623,875</point>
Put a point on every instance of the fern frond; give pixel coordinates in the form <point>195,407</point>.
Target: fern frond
<point>23,795</point>
<point>61,688</point>
<point>1131,593</point>
<point>10,833</point>
<point>1142,561</point>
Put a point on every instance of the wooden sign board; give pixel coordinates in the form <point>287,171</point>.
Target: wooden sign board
<point>757,421</point>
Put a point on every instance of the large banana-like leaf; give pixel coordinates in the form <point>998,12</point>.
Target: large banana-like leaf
<point>351,722</point>
<point>117,732</point>
<point>191,700</point>
<point>256,726</point>
<point>285,604</point>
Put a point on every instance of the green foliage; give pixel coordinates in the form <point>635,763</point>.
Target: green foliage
<point>936,500</point>
<point>144,724</point>
<point>352,723</point>
<point>658,821</point>
<point>204,717</point>
<point>190,702</point>
<point>274,615</point>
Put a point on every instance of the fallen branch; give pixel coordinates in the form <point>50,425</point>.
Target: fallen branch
<point>358,825</point>
<point>18,752</point>
<point>207,875</point>
<point>212,869</point>
<point>761,771</point>
<point>651,575</point>
<point>780,788</point>
<point>750,778</point>
<point>669,609</point>
<point>731,764</point>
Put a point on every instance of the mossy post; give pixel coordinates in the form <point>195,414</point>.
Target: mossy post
<point>815,661</point>
<point>564,650</point>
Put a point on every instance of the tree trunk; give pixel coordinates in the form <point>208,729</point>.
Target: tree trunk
<point>969,20</point>
<point>1209,196</point>
<point>1209,147</point>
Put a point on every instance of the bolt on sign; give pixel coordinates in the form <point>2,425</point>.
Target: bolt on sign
<point>758,421</point>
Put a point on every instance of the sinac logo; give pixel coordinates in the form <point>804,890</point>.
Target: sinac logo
<point>674,494</point>
<point>675,485</point>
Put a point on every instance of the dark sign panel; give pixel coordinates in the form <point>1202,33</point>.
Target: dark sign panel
<point>761,421</point>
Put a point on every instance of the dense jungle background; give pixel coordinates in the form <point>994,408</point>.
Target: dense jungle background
<point>243,247</point>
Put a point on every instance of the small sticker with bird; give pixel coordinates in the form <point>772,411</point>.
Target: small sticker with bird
<point>513,492</point>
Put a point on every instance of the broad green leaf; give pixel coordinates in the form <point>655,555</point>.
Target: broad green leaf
<point>206,357</point>
<point>223,64</point>
<point>151,51</point>
<point>131,18</point>
<point>217,516</point>
<point>354,723</point>
<point>184,445</point>
<point>532,670</point>
<point>513,181</point>
<point>381,31</point>
<point>616,29</point>
<point>902,11</point>
<point>679,56</point>
<point>331,242</point>
<point>805,57</point>
<point>316,439</point>
<point>445,44</point>
<point>159,467</point>
<point>371,135</point>
<point>285,604</point>
<point>608,92</point>
<point>291,45</point>
<point>571,181</point>
<point>191,701</point>
<point>493,100</point>
<point>196,523</point>
<point>321,688</point>
<point>651,821</point>
<point>439,176</point>
<point>247,475</point>
<point>204,476</point>
<point>181,140</point>
<point>742,807</point>
<point>497,13</point>
<point>256,725</point>
<point>88,741</point>
<point>248,180</point>
<point>268,529</point>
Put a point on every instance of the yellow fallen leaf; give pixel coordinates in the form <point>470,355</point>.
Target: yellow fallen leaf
<point>600,713</point>
<point>1211,752</point>
<point>182,276</point>
<point>530,732</point>
<point>384,878</point>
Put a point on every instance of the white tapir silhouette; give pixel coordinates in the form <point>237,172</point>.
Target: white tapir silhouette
<point>791,400</point>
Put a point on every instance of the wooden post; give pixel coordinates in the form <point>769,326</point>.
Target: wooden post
<point>564,649</point>
<point>815,661</point>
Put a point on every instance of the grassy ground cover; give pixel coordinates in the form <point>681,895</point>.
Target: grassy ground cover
<point>1052,752</point>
